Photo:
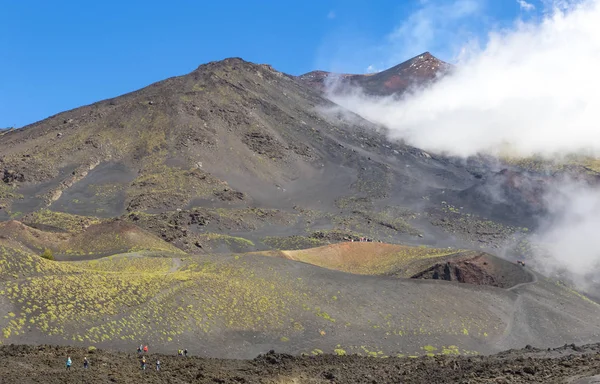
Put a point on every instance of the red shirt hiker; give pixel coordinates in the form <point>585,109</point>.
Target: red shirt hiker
<point>145,348</point>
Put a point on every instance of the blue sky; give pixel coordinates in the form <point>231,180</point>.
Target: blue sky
<point>58,55</point>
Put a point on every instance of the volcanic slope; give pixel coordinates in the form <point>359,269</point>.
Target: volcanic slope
<point>258,303</point>
<point>233,156</point>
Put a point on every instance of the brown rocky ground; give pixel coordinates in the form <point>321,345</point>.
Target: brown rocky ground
<point>37,364</point>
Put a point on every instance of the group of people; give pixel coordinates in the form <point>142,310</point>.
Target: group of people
<point>143,364</point>
<point>363,240</point>
<point>141,349</point>
<point>86,363</point>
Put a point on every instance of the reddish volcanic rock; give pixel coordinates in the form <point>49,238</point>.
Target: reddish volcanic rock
<point>418,71</point>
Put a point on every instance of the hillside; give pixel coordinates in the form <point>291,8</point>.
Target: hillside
<point>395,305</point>
<point>234,156</point>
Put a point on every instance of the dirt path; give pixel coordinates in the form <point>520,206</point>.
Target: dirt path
<point>508,331</point>
<point>177,263</point>
<point>533,281</point>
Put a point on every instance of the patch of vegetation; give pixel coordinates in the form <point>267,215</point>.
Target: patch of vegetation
<point>128,264</point>
<point>114,238</point>
<point>214,240</point>
<point>534,163</point>
<point>354,202</point>
<point>571,290</point>
<point>8,191</point>
<point>161,186</point>
<point>16,263</point>
<point>545,165</point>
<point>450,350</point>
<point>360,215</point>
<point>126,297</point>
<point>47,254</point>
<point>99,239</point>
<point>324,315</point>
<point>473,228</point>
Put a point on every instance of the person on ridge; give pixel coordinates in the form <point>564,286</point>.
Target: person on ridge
<point>143,363</point>
<point>68,362</point>
<point>145,349</point>
<point>85,362</point>
<point>185,352</point>
<point>158,365</point>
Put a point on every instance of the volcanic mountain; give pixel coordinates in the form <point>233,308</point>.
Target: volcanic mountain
<point>238,203</point>
<point>230,135</point>
<point>418,71</point>
<point>227,139</point>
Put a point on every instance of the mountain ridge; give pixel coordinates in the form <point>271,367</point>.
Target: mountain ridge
<point>416,71</point>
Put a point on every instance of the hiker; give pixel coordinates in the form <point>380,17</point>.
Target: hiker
<point>140,349</point>
<point>143,363</point>
<point>85,362</point>
<point>145,349</point>
<point>185,352</point>
<point>179,352</point>
<point>158,365</point>
<point>68,362</point>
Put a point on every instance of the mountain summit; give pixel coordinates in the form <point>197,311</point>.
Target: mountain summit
<point>418,71</point>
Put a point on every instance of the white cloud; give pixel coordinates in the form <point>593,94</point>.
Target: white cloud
<point>373,69</point>
<point>571,246</point>
<point>534,88</point>
<point>331,15</point>
<point>525,5</point>
<point>561,5</point>
<point>437,25</point>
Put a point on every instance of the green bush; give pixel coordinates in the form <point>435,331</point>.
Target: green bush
<point>48,255</point>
